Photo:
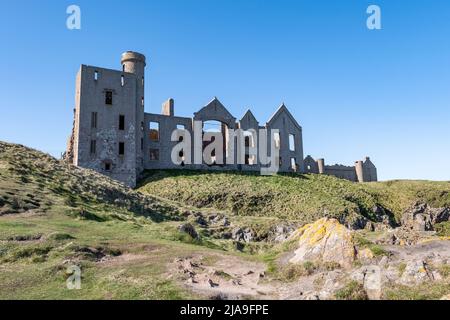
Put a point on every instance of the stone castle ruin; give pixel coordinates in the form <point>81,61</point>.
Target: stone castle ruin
<point>112,134</point>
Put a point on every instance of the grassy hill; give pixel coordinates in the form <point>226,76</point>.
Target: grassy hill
<point>292,196</point>
<point>54,215</point>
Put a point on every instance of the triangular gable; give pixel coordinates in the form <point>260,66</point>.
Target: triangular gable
<point>283,109</point>
<point>368,162</point>
<point>249,114</point>
<point>214,110</point>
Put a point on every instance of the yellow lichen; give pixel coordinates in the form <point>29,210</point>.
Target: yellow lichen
<point>427,240</point>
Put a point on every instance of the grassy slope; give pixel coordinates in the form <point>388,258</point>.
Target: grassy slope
<point>51,213</point>
<point>298,197</point>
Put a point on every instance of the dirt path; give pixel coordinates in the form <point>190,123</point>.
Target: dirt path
<point>421,251</point>
<point>228,277</point>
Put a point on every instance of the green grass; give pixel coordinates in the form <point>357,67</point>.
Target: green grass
<point>292,272</point>
<point>291,196</point>
<point>362,242</point>
<point>425,291</point>
<point>443,229</point>
<point>136,267</point>
<point>351,291</point>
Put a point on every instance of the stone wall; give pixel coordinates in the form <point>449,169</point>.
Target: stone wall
<point>214,110</point>
<point>92,85</point>
<point>341,171</point>
<point>363,171</point>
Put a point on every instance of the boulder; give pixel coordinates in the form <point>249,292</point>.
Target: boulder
<point>200,220</point>
<point>416,271</point>
<point>188,229</point>
<point>325,240</point>
<point>371,279</point>
<point>219,220</point>
<point>280,233</point>
<point>239,234</point>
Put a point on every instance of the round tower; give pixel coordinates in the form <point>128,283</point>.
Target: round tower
<point>321,165</point>
<point>359,171</point>
<point>134,62</point>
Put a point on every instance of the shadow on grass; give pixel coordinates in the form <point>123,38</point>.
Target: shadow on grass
<point>157,174</point>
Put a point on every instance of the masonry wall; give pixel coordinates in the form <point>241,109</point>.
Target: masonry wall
<point>164,145</point>
<point>286,127</point>
<point>311,165</point>
<point>343,172</point>
<point>91,98</point>
<point>370,171</point>
<point>363,171</point>
<point>249,124</point>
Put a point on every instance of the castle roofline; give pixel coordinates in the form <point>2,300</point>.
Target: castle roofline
<point>250,113</point>
<point>279,111</point>
<point>105,69</point>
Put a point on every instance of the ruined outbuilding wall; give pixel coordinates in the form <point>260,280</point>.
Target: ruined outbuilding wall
<point>163,145</point>
<point>284,122</point>
<point>363,171</point>
<point>341,171</point>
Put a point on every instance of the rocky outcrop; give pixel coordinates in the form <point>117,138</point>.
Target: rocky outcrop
<point>422,217</point>
<point>280,233</point>
<point>239,234</point>
<point>380,219</point>
<point>326,240</point>
<point>69,154</point>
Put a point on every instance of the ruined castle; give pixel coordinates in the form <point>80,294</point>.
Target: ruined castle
<point>112,134</point>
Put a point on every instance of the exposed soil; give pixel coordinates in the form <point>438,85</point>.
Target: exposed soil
<point>227,278</point>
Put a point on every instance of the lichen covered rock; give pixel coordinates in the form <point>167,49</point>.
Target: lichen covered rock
<point>325,240</point>
<point>416,271</point>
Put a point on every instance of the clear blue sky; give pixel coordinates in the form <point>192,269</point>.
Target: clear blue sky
<point>356,92</point>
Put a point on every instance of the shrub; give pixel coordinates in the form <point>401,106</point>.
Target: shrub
<point>331,265</point>
<point>443,229</point>
<point>362,242</point>
<point>401,268</point>
<point>353,290</point>
<point>292,271</point>
<point>60,236</point>
<point>424,291</point>
<point>444,270</point>
<point>37,253</point>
